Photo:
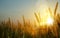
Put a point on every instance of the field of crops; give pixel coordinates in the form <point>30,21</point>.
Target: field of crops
<point>9,29</point>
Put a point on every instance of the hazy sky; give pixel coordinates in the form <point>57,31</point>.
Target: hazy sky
<point>16,8</point>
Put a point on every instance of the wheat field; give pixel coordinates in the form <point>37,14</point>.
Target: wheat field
<point>8,29</point>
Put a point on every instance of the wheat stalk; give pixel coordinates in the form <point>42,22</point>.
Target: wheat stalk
<point>56,8</point>
<point>37,18</point>
<point>24,20</point>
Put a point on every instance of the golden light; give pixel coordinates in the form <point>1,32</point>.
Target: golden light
<point>50,21</point>
<point>46,19</point>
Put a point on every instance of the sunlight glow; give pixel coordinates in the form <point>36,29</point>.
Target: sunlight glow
<point>46,19</point>
<point>50,21</point>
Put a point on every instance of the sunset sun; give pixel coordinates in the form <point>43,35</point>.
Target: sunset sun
<point>50,21</point>
<point>46,19</point>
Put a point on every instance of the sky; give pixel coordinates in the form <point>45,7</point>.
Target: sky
<point>16,8</point>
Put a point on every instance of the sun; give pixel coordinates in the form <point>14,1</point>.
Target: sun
<point>50,21</point>
<point>46,19</point>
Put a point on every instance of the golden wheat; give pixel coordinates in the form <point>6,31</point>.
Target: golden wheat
<point>56,8</point>
<point>37,18</point>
